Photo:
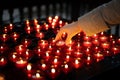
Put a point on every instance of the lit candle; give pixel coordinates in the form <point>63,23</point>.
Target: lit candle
<point>20,49</point>
<point>60,43</point>
<point>67,58</point>
<point>43,66</point>
<point>38,76</point>
<point>53,73</point>
<point>14,56</point>
<point>35,22</point>
<point>4,37</point>
<point>87,43</point>
<point>77,63</point>
<point>5,30</point>
<point>40,35</point>
<point>50,19</point>
<point>20,63</point>
<point>28,29</point>
<point>46,26</point>
<point>98,56</point>
<point>3,61</point>
<point>88,60</point>
<point>37,28</point>
<point>105,45</point>
<point>11,27</point>
<point>26,42</point>
<point>95,42</point>
<point>103,38</point>
<point>65,68</point>
<point>27,23</point>
<point>47,55</point>
<point>86,38</point>
<point>29,68</point>
<point>43,43</point>
<point>2,48</point>
<point>78,54</point>
<point>15,36</point>
<point>70,49</point>
<point>116,50</point>
<point>95,36</point>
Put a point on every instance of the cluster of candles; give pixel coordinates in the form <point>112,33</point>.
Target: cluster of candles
<point>53,58</point>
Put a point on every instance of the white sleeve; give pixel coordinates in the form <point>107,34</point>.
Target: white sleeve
<point>99,18</point>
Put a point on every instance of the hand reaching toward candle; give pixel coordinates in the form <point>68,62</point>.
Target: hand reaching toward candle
<point>70,29</point>
<point>97,20</point>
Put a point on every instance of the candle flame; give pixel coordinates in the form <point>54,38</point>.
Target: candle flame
<point>29,67</point>
<point>43,65</point>
<point>66,66</point>
<point>53,70</point>
<point>2,60</point>
<point>37,75</point>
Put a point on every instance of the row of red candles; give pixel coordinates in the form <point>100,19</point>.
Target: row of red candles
<point>56,57</point>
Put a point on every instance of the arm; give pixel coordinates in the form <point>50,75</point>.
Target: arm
<point>100,18</point>
<point>97,20</point>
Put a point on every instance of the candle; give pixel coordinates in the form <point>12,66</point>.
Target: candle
<point>95,36</point>
<point>27,22</point>
<point>10,27</point>
<point>86,38</point>
<point>28,29</point>
<point>20,49</point>
<point>88,60</point>
<point>105,45</point>
<point>5,30</point>
<point>115,50</point>
<point>46,26</point>
<point>15,36</point>
<point>43,43</point>
<point>95,42</point>
<point>103,38</point>
<point>26,42</point>
<point>35,22</point>
<point>47,55</point>
<point>2,48</point>
<point>43,66</point>
<point>65,67</point>
<point>60,43</point>
<point>87,43</point>
<point>77,63</point>
<point>98,56</point>
<point>37,28</point>
<point>78,54</point>
<point>14,56</point>
<point>70,49</point>
<point>29,68</point>
<point>20,63</point>
<point>38,76</point>
<point>40,35</point>
<point>4,37</point>
<point>67,58</point>
<point>50,19</point>
<point>3,61</point>
<point>53,72</point>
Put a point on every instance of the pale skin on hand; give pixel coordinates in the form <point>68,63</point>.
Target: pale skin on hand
<point>71,29</point>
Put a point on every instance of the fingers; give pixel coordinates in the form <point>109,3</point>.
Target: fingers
<point>68,39</point>
<point>58,36</point>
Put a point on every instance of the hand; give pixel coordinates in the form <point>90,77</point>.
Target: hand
<point>71,30</point>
